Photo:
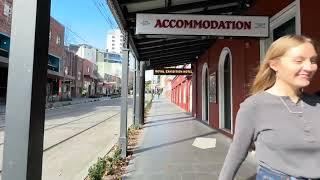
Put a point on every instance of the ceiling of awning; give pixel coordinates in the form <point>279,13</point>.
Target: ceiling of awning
<point>170,50</point>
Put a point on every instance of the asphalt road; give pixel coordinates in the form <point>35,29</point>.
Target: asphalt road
<point>76,135</point>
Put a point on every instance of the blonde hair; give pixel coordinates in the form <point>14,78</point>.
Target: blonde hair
<point>266,77</point>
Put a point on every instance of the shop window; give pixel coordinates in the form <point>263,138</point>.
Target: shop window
<point>53,63</point>
<point>285,29</point>
<point>285,22</point>
<point>4,45</point>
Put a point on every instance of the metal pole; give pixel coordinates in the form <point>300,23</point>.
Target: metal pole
<point>25,110</point>
<point>124,104</point>
<point>134,93</point>
<point>142,91</point>
<point>138,98</point>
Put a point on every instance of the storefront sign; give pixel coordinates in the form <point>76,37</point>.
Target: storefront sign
<point>216,25</point>
<point>172,72</point>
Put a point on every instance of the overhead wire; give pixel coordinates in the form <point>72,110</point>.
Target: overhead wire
<point>76,35</point>
<point>107,11</point>
<point>105,16</point>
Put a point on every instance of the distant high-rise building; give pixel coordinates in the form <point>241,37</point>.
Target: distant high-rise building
<point>114,41</point>
<point>111,65</point>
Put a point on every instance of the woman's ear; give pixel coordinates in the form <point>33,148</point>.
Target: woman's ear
<point>274,64</point>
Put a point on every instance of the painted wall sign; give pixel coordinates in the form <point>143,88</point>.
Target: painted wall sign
<point>172,71</point>
<point>213,88</point>
<point>218,25</point>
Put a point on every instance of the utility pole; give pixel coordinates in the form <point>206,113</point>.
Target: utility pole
<point>124,101</point>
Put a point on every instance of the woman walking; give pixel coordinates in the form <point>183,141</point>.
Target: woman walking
<point>282,120</point>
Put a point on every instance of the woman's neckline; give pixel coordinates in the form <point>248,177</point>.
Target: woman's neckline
<point>285,97</point>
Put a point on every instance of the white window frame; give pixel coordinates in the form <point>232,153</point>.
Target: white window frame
<point>58,41</point>
<point>287,13</point>
<point>7,9</point>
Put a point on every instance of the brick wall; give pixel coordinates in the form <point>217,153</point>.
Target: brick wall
<point>69,63</point>
<point>5,18</point>
<point>56,38</point>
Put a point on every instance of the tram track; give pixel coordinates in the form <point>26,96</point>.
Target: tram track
<point>80,132</point>
<point>69,122</point>
<point>76,134</point>
<point>50,112</point>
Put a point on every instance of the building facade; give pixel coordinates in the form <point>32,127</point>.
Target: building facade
<point>223,73</point>
<point>79,76</point>
<point>181,93</point>
<point>110,69</point>
<point>55,56</point>
<point>87,52</point>
<point>90,80</point>
<point>69,74</point>
<point>233,61</point>
<point>110,65</point>
<point>55,61</point>
<point>114,41</point>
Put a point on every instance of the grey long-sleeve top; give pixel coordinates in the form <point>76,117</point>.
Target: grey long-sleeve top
<point>286,135</point>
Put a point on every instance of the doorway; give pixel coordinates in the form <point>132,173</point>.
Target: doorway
<point>225,90</point>
<point>205,95</point>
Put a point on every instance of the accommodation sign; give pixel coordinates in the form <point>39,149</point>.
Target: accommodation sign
<point>216,25</point>
<point>172,71</point>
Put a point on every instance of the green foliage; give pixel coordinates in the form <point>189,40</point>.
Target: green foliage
<point>133,128</point>
<point>113,161</point>
<point>148,106</point>
<point>148,85</point>
<point>97,170</point>
<point>117,155</point>
<point>136,126</point>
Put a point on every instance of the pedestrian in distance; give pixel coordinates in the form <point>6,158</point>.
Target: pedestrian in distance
<point>279,118</point>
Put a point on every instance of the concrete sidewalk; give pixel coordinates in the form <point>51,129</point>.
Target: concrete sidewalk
<point>166,150</point>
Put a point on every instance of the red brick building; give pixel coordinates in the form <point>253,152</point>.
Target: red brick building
<point>181,93</point>
<point>56,50</point>
<point>79,76</point>
<point>5,17</point>
<point>55,62</point>
<point>70,73</point>
<point>222,75</point>
<point>89,78</point>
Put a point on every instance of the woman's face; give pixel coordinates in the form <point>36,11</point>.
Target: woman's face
<point>297,66</point>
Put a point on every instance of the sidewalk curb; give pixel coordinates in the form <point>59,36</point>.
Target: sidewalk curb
<point>84,173</point>
<point>70,103</point>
